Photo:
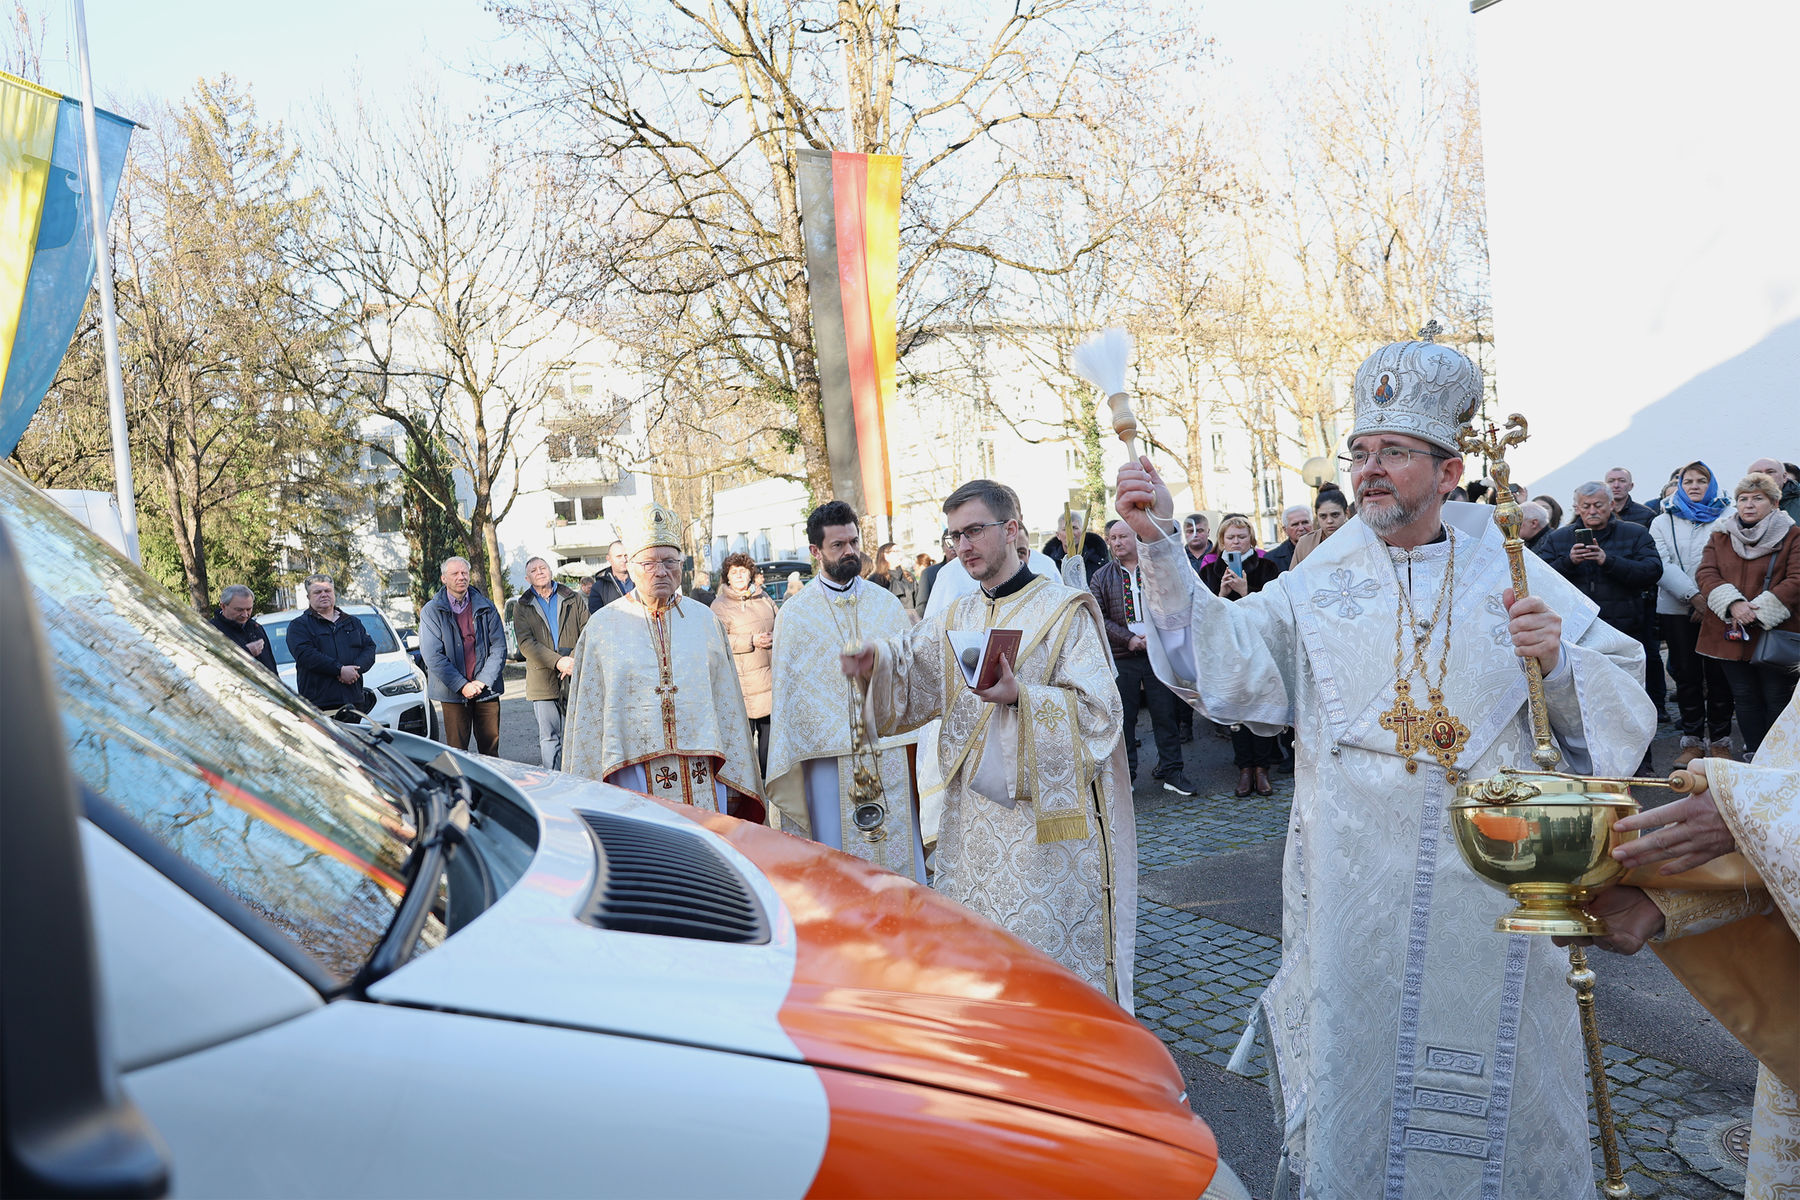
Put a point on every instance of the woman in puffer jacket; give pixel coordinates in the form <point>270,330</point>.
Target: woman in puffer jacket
<point>748,616</point>
<point>1751,576</point>
<point>1681,531</point>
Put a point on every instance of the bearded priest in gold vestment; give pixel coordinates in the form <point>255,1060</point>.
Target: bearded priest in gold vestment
<point>654,703</point>
<point>1038,834</point>
<point>810,735</point>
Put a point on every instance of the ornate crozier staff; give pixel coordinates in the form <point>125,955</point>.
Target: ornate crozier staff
<point>1544,836</point>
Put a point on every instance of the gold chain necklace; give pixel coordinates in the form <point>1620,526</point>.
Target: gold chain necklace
<point>1435,729</point>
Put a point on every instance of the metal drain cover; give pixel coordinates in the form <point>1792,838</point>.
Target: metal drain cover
<point>1716,1146</point>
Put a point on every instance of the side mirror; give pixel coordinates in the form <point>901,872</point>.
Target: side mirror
<point>66,1126</point>
<point>412,643</point>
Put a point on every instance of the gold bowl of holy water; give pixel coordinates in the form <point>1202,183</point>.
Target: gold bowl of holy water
<point>1546,841</point>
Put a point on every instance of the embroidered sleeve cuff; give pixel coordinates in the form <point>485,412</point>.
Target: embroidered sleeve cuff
<point>1687,913</point>
<point>1770,611</point>
<point>1168,582</point>
<point>1720,600</point>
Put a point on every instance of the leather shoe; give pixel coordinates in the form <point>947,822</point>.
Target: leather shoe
<point>1245,777</point>
<point>1263,786</point>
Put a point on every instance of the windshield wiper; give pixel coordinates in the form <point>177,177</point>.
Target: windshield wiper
<point>445,797</point>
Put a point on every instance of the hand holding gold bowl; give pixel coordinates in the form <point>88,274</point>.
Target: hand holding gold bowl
<point>1547,839</point>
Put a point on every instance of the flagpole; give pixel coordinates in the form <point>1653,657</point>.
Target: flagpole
<point>109,317</point>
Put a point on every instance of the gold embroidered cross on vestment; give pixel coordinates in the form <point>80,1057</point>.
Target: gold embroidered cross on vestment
<point>1436,730</point>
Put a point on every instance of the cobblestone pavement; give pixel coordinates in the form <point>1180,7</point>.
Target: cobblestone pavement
<point>1197,979</point>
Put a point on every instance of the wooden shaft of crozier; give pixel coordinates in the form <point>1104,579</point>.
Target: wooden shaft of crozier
<point>1125,425</point>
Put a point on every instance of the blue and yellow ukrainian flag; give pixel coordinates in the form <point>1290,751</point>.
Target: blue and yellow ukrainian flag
<point>46,244</point>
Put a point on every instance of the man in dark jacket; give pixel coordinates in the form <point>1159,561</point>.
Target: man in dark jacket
<point>1296,522</point>
<point>234,621</point>
<point>1093,548</point>
<point>331,650</point>
<point>1785,479</point>
<point>546,607</point>
<point>1618,483</point>
<point>1610,559</point>
<point>464,646</point>
<point>613,583</point>
<point>928,576</point>
<point>1118,586</point>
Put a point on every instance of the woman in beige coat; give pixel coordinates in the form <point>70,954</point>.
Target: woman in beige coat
<point>748,616</point>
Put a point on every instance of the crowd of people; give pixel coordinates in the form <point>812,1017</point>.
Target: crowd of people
<point>1376,650</point>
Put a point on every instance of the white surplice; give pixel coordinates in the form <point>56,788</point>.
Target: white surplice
<point>1419,1054</point>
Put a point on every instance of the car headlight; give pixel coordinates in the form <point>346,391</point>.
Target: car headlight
<point>400,687</point>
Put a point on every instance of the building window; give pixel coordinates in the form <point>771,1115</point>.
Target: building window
<point>399,583</point>
<point>388,519</point>
<point>565,510</point>
<point>558,445</point>
<point>1271,493</point>
<point>1218,453</point>
<point>592,508</point>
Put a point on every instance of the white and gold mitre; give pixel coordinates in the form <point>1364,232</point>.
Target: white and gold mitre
<point>654,526</point>
<point>1419,389</point>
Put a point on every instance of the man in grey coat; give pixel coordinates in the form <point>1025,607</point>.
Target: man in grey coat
<point>463,643</point>
<point>547,621</point>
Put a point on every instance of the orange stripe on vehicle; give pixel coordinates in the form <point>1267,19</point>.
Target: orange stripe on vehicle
<point>298,830</point>
<point>896,981</point>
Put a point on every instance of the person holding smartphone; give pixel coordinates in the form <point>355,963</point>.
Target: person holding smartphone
<point>1237,568</point>
<point>1611,560</point>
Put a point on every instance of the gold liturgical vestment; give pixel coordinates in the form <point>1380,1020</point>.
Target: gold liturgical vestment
<point>810,729</point>
<point>654,705</point>
<point>1729,935</point>
<point>1038,833</point>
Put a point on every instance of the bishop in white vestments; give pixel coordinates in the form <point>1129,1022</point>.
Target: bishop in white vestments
<point>810,727</point>
<point>1038,833</point>
<point>654,703</point>
<point>1419,1054</point>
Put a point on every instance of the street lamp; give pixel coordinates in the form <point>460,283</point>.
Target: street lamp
<point>1317,472</point>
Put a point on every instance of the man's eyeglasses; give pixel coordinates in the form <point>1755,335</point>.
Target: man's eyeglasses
<point>1391,458</point>
<point>955,537</point>
<point>663,566</point>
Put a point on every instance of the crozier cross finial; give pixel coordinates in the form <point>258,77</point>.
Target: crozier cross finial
<point>1431,331</point>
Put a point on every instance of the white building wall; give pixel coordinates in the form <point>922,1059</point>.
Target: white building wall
<point>1642,182</point>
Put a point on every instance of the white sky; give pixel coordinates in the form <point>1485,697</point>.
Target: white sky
<point>294,54</point>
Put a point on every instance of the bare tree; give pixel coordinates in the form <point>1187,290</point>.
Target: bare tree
<point>221,335</point>
<point>683,125</point>
<point>454,260</point>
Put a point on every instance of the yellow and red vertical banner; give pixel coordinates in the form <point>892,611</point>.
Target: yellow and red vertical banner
<point>850,213</point>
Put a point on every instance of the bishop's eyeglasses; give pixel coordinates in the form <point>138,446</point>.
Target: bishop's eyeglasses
<point>1391,458</point>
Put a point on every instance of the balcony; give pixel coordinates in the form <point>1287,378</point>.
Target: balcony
<point>582,536</point>
<point>582,472</point>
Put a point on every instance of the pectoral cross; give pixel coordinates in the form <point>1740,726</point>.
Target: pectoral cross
<point>1404,721</point>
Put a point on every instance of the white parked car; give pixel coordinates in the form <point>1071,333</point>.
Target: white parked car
<point>399,685</point>
<point>247,950</point>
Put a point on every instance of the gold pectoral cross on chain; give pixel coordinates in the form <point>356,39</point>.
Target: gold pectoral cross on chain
<point>1403,720</point>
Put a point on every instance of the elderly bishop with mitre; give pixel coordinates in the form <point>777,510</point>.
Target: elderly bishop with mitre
<point>654,703</point>
<point>1419,1053</point>
<point>811,767</point>
<point>1038,834</point>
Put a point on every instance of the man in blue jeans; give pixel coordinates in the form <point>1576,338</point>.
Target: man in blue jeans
<point>464,647</point>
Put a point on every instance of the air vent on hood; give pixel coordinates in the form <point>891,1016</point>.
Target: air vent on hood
<point>654,879</point>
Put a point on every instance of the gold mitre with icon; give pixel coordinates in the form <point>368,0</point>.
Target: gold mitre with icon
<point>1419,389</point>
<point>654,525</point>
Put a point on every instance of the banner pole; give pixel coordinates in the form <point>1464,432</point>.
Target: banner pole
<point>109,318</point>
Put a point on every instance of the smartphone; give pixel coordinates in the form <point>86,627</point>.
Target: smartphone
<point>1234,561</point>
<point>1585,536</point>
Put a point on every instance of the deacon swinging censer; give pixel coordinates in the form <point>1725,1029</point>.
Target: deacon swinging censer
<point>1545,837</point>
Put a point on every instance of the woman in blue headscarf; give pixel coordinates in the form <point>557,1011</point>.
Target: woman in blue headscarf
<point>1681,532</point>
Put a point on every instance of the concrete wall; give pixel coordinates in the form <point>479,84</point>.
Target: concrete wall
<point>1643,182</point>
